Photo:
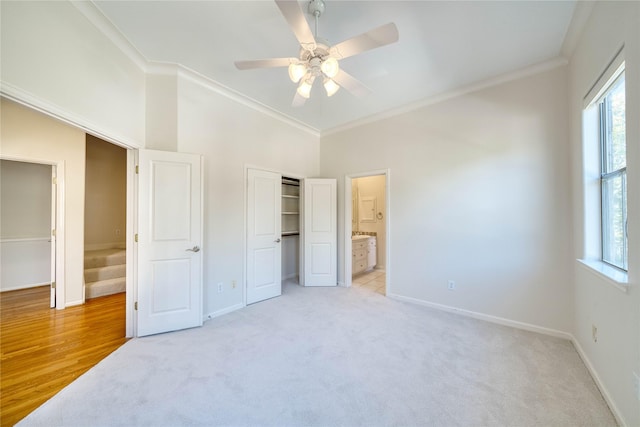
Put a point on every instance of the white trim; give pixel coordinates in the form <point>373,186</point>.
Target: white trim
<point>28,286</point>
<point>132,248</point>
<point>611,72</point>
<point>98,19</point>
<point>581,13</point>
<point>27,99</point>
<point>223,311</point>
<point>596,378</point>
<point>611,275</point>
<point>348,272</point>
<point>465,90</point>
<point>486,317</point>
<point>75,303</point>
<point>94,15</point>
<point>531,328</point>
<point>243,99</point>
<point>59,167</point>
<point>27,239</point>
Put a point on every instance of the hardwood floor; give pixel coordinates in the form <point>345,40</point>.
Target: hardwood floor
<point>43,349</point>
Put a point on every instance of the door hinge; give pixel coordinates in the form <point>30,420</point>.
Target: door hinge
<point>135,237</point>
<point>135,305</point>
<point>53,232</point>
<point>137,169</point>
<point>54,180</point>
<point>53,285</point>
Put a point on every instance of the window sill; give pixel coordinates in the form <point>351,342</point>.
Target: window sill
<point>613,276</point>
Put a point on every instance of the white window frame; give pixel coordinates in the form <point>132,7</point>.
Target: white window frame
<point>591,258</point>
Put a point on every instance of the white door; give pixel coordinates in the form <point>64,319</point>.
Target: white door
<point>52,301</point>
<point>169,285</point>
<point>320,232</point>
<point>264,225</point>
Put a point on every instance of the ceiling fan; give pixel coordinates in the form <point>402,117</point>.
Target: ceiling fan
<point>317,59</point>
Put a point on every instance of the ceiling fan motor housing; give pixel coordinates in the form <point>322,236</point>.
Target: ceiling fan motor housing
<point>316,7</point>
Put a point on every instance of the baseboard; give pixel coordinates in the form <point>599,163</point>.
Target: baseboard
<point>223,311</point>
<point>73,303</point>
<point>596,378</point>
<point>32,285</point>
<point>486,317</point>
<point>101,246</point>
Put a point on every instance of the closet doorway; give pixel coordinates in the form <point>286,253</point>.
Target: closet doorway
<point>367,231</point>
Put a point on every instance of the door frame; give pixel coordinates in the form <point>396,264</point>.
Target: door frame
<point>58,166</point>
<point>245,233</point>
<point>348,178</point>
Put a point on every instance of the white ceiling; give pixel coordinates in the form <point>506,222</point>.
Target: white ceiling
<point>443,46</point>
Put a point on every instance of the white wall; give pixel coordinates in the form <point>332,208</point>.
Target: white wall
<point>232,136</point>
<point>55,59</point>
<point>616,354</point>
<point>27,134</point>
<point>105,201</point>
<point>25,217</point>
<point>479,194</point>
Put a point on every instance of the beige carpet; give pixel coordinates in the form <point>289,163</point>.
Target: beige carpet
<point>335,357</point>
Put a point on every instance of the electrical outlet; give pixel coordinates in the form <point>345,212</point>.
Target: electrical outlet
<point>233,284</point>
<point>594,333</point>
<point>220,287</point>
<point>451,285</point>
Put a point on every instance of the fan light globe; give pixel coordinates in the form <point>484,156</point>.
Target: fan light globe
<point>330,67</point>
<point>331,87</point>
<point>296,72</point>
<point>304,90</point>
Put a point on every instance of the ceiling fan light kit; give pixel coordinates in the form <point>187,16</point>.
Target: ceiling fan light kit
<point>317,58</point>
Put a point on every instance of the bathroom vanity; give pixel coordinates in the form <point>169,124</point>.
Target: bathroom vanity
<point>364,253</point>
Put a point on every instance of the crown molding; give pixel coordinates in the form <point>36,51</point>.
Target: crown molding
<point>243,99</point>
<point>20,96</point>
<point>93,14</point>
<point>465,90</point>
<point>581,13</point>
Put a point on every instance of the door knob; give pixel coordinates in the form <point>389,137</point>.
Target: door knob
<point>194,249</point>
<point>277,240</point>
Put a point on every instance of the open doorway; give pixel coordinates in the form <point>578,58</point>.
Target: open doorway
<point>367,231</point>
<point>105,218</point>
<point>28,204</point>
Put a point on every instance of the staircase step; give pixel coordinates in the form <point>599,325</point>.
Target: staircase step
<point>105,287</point>
<point>103,273</point>
<point>104,257</point>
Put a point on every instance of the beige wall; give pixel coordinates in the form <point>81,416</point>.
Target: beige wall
<point>480,194</point>
<point>105,195</point>
<point>231,137</point>
<point>616,314</point>
<point>32,136</point>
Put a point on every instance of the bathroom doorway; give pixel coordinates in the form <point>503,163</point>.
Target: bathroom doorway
<point>366,231</point>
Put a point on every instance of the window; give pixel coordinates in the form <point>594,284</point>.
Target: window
<point>613,174</point>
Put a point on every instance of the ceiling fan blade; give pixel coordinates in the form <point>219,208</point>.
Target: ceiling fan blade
<point>264,63</point>
<point>298,100</point>
<point>294,15</point>
<point>351,84</point>
<point>377,37</point>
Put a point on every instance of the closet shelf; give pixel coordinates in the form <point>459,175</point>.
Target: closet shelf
<point>288,196</point>
<point>290,233</point>
<point>290,213</point>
